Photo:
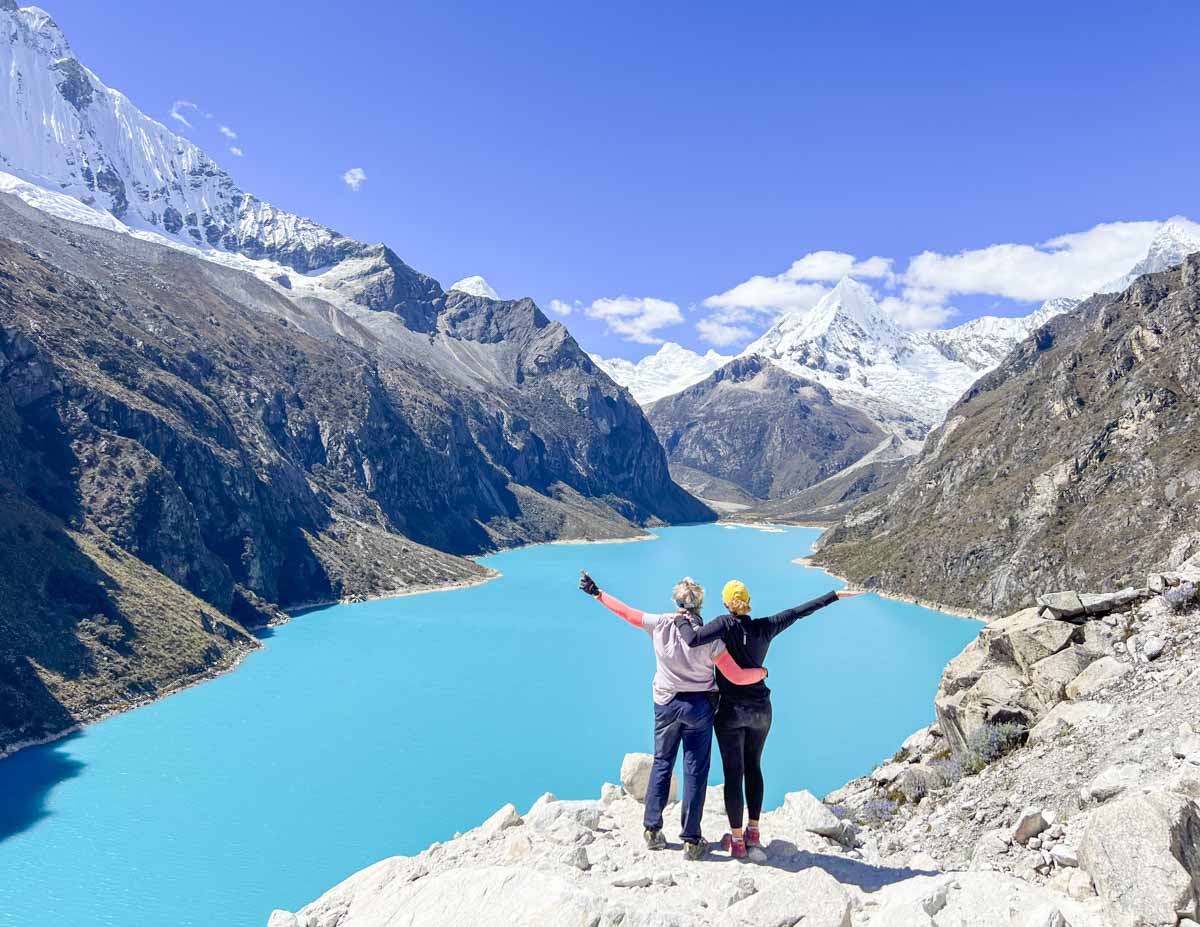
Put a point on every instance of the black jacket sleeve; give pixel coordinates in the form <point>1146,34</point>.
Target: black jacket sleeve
<point>705,634</point>
<point>779,623</point>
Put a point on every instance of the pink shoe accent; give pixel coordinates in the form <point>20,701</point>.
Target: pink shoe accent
<point>736,846</point>
<point>753,837</point>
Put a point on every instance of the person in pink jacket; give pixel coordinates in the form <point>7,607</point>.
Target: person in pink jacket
<point>685,697</point>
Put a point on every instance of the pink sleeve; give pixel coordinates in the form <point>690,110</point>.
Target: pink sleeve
<point>615,605</point>
<point>735,674</point>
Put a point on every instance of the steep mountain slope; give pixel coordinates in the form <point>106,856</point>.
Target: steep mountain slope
<point>184,449</point>
<point>760,428</point>
<point>1075,463</point>
<point>826,502</point>
<point>665,372</point>
<point>213,408</point>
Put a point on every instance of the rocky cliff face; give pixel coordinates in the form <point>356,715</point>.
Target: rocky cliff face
<point>1075,463</point>
<point>758,432</point>
<point>182,423</point>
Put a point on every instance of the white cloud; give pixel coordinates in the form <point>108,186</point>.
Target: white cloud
<point>722,334</point>
<point>634,318</point>
<point>770,295</point>
<point>177,111</point>
<point>832,266</point>
<point>1076,264</point>
<point>559,307</point>
<point>228,132</point>
<point>235,151</point>
<point>354,178</point>
<point>801,286</point>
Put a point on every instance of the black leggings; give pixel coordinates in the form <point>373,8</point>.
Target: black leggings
<point>742,728</point>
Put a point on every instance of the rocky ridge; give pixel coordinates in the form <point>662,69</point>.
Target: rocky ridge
<point>1074,463</point>
<point>1046,794</point>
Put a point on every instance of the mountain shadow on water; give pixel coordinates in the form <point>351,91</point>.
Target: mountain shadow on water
<point>26,781</point>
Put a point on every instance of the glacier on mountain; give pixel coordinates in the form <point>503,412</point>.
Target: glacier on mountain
<point>667,371</point>
<point>64,132</point>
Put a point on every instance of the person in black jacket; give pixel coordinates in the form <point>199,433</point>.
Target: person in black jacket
<point>744,715</point>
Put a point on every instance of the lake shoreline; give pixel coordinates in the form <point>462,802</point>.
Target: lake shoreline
<point>290,613</point>
<point>899,596</point>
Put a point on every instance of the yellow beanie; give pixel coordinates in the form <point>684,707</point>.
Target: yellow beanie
<point>736,597</point>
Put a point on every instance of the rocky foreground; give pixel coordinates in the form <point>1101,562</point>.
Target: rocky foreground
<point>1057,788</point>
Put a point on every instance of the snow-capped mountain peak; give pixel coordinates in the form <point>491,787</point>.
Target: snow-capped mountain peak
<point>849,345</point>
<point>667,371</point>
<point>1175,239</point>
<point>845,316</point>
<point>984,341</point>
<point>475,286</point>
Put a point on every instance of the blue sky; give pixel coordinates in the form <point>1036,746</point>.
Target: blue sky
<point>673,152</point>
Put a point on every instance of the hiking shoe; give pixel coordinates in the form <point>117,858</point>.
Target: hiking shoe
<point>753,837</point>
<point>695,851</point>
<point>735,845</point>
<point>655,839</point>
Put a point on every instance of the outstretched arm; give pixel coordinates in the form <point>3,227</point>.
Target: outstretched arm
<point>636,618</point>
<point>705,634</point>
<point>780,622</point>
<point>729,668</point>
<point>616,606</point>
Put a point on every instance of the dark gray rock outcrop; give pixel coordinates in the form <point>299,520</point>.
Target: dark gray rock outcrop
<point>764,431</point>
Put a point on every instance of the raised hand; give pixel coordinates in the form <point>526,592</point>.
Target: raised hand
<point>588,585</point>
<point>848,593</point>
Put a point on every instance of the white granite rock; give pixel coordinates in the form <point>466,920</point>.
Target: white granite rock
<point>635,776</point>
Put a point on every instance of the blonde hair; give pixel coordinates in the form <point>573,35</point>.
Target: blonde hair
<point>688,594</point>
<point>738,607</point>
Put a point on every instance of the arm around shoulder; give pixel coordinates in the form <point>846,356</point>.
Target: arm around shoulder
<point>728,667</point>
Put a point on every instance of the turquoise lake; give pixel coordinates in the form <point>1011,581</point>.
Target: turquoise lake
<point>366,731</point>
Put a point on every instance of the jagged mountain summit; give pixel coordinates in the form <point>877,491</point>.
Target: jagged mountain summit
<point>1075,462</point>
<point>903,380</point>
<point>668,370</point>
<point>1175,240</point>
<point>475,286</point>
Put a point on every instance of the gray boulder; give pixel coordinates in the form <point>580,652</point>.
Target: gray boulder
<point>1098,675</point>
<point>1032,822</point>
<point>1051,676</point>
<point>810,814</point>
<point>1101,603</point>
<point>1066,715</point>
<point>1143,855</point>
<point>1030,638</point>
<point>1062,604</point>
<point>999,694</point>
<point>1113,780</point>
